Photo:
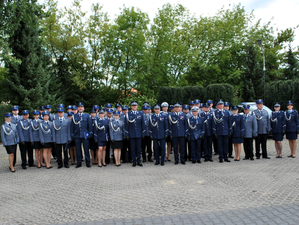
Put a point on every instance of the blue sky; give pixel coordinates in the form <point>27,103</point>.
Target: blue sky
<point>283,13</point>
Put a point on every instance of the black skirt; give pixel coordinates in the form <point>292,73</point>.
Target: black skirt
<point>48,145</point>
<point>117,144</point>
<point>92,144</point>
<point>73,143</point>
<point>37,145</point>
<point>11,149</point>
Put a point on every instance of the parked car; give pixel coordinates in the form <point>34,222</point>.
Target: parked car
<point>253,107</point>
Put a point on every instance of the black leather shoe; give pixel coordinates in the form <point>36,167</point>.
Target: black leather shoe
<point>66,166</point>
<point>266,157</point>
<point>33,165</point>
<point>198,161</point>
<point>227,160</point>
<point>176,163</point>
<point>59,167</point>
<point>221,160</point>
<point>245,158</point>
<point>193,162</point>
<point>211,160</point>
<point>144,161</point>
<point>78,166</point>
<point>88,165</point>
<point>24,167</point>
<point>230,156</point>
<point>206,160</point>
<point>162,163</point>
<point>157,163</point>
<point>134,164</point>
<point>150,160</point>
<point>258,157</point>
<point>183,162</point>
<point>139,164</point>
<point>251,158</point>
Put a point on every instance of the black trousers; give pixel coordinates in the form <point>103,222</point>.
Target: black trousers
<point>215,143</point>
<point>248,147</point>
<point>146,143</point>
<point>230,146</point>
<point>126,152</point>
<point>261,140</point>
<point>187,150</point>
<point>29,150</point>
<point>107,157</point>
<point>59,149</point>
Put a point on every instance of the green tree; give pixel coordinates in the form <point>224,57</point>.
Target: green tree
<point>27,82</point>
<point>292,66</point>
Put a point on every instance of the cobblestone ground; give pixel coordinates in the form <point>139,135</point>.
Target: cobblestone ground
<point>246,192</point>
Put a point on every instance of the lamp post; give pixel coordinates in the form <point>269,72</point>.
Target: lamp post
<point>259,41</point>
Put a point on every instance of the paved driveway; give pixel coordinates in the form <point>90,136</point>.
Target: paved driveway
<point>245,192</point>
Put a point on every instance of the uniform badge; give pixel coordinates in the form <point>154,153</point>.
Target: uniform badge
<point>181,117</point>
<point>7,128</point>
<point>46,127</point>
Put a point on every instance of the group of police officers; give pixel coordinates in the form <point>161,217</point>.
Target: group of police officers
<point>128,135</point>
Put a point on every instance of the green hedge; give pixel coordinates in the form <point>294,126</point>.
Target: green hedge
<point>282,91</point>
<point>186,94</point>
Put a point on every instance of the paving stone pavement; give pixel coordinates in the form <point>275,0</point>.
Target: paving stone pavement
<point>245,192</point>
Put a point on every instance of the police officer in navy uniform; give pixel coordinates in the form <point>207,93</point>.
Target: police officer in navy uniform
<point>134,130</point>
<point>278,128</point>
<point>109,117</point>
<point>25,141</point>
<point>49,109</point>
<point>292,127</point>
<point>47,138</point>
<point>146,143</point>
<point>178,132</point>
<point>92,145</point>
<point>34,133</point>
<point>230,144</point>
<point>237,136</point>
<point>208,138</point>
<point>10,139</point>
<point>196,132</point>
<point>187,111</point>
<point>81,131</point>
<point>222,129</point>
<point>250,132</point>
<point>62,128</point>
<point>41,110</point>
<point>159,132</point>
<point>126,150</point>
<point>165,113</point>
<point>263,129</point>
<point>15,118</point>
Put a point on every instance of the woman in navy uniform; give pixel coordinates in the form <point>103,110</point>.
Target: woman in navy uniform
<point>47,137</point>
<point>92,145</point>
<point>116,127</point>
<point>34,132</point>
<point>15,118</point>
<point>101,130</point>
<point>278,127</point>
<point>72,144</point>
<point>195,132</point>
<point>238,131</point>
<point>10,139</point>
<point>292,127</point>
